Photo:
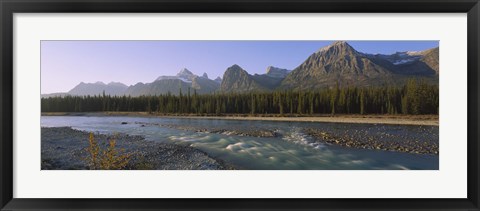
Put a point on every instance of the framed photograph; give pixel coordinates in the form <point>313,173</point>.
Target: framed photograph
<point>227,105</point>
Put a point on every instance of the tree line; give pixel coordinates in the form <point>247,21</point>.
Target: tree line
<point>415,97</point>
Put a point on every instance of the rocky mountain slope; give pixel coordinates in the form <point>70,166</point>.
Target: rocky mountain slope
<point>236,79</point>
<point>338,64</point>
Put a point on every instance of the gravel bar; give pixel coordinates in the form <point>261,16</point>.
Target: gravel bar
<point>64,148</point>
<point>388,142</point>
<point>251,131</point>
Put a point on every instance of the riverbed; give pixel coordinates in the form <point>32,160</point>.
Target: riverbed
<point>277,145</point>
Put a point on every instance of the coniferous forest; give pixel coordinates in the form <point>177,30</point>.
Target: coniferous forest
<point>415,97</point>
<point>120,105</point>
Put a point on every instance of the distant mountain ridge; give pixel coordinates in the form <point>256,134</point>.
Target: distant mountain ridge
<point>112,88</point>
<point>338,64</point>
<point>184,81</point>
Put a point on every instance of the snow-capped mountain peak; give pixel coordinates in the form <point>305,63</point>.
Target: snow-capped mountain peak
<point>186,74</point>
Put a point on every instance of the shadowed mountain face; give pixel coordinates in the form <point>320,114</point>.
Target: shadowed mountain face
<point>236,79</point>
<point>420,63</point>
<point>338,64</point>
<point>218,80</point>
<point>276,72</point>
<point>431,59</point>
<point>203,85</point>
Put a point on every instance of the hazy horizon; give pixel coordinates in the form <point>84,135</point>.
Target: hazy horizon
<point>64,64</point>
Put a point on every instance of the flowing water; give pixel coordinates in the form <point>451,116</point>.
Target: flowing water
<point>292,150</point>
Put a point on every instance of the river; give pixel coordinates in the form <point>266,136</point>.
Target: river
<point>291,150</point>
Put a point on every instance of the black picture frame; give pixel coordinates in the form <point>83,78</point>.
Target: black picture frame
<point>9,7</point>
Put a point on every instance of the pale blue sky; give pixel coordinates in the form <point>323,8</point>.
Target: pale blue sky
<point>64,64</point>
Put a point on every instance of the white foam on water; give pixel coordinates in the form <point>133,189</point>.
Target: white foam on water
<point>400,167</point>
<point>354,162</point>
<point>228,133</point>
<point>233,147</point>
<point>185,138</point>
<point>358,161</point>
<point>298,137</point>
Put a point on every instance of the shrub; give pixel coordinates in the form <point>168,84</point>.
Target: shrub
<point>106,159</point>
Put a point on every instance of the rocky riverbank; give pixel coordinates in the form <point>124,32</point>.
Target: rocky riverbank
<point>65,148</point>
<point>385,141</point>
<point>431,120</point>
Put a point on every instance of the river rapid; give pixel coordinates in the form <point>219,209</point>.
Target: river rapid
<point>290,149</point>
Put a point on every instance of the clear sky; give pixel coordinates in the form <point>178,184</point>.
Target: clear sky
<point>64,64</point>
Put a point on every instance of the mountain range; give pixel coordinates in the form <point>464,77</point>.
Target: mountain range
<point>338,64</point>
